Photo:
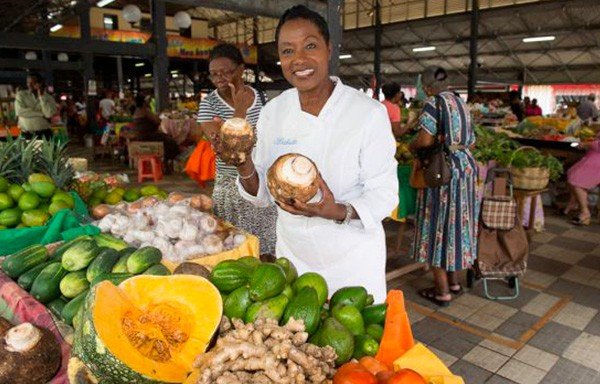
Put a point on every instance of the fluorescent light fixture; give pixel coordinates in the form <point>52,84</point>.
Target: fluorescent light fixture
<point>174,71</point>
<point>148,75</point>
<point>345,56</point>
<point>536,39</point>
<point>56,27</point>
<point>103,3</point>
<point>108,20</point>
<point>423,49</point>
<point>175,75</point>
<point>139,64</point>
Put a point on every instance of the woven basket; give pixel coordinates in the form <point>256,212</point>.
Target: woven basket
<point>529,178</point>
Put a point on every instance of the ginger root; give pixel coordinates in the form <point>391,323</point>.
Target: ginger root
<point>265,353</point>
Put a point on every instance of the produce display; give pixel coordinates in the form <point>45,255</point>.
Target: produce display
<point>403,154</point>
<point>34,177</point>
<point>62,279</point>
<point>28,354</point>
<point>254,290</point>
<point>85,183</point>
<point>104,194</point>
<point>147,329</point>
<point>237,140</point>
<point>263,352</point>
<point>176,227</point>
<point>293,177</point>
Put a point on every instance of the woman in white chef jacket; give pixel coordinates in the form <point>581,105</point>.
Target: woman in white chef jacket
<point>349,137</point>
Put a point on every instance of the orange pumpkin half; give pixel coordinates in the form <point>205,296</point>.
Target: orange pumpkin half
<point>148,329</point>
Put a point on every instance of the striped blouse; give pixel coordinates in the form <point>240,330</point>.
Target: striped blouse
<point>213,106</point>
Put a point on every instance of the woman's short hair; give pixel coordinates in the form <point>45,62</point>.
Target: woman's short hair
<point>390,89</point>
<point>302,12</point>
<point>228,51</point>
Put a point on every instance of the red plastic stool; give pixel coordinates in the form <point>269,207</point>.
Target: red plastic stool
<point>149,167</point>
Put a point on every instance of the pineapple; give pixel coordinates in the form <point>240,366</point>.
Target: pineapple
<point>83,189</point>
<point>53,161</point>
<point>27,151</point>
<point>9,159</point>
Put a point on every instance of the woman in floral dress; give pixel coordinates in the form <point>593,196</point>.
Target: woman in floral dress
<point>445,234</point>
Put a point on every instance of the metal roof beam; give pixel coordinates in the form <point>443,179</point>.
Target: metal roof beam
<point>269,8</point>
<point>65,44</point>
<point>38,64</point>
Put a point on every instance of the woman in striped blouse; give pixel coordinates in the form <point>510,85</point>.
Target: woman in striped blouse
<point>232,98</point>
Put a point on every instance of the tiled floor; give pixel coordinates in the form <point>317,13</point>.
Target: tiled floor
<point>549,334</point>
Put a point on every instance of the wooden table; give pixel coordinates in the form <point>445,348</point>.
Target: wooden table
<point>520,196</point>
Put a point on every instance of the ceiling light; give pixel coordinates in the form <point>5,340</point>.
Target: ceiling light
<point>73,3</point>
<point>31,55</point>
<point>108,20</point>
<point>536,39</point>
<point>139,64</point>
<point>423,49</point>
<point>175,75</point>
<point>279,63</point>
<point>148,75</point>
<point>103,3</point>
<point>345,56</point>
<point>175,71</point>
<point>56,27</point>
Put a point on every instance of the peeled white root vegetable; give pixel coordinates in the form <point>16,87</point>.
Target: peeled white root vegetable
<point>293,177</point>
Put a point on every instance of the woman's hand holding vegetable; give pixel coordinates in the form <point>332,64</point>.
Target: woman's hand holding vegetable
<point>327,208</point>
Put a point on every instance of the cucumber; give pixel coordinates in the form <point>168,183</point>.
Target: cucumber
<point>121,265</point>
<point>56,306</point>
<point>58,253</point>
<point>79,256</point>
<point>73,284</point>
<point>115,278</point>
<point>46,286</point>
<point>18,263</point>
<point>158,270</point>
<point>72,307</point>
<point>104,240</point>
<point>143,259</point>
<point>26,279</point>
<point>103,263</point>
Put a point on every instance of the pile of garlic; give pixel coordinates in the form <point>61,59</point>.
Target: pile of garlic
<point>180,231</point>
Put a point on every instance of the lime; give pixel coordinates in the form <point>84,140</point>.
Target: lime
<point>131,195</point>
<point>149,190</point>
<point>94,201</point>
<point>27,187</point>
<point>15,191</point>
<point>113,198</point>
<point>29,200</point>
<point>314,280</point>
<point>119,190</point>
<point>3,184</point>
<point>5,201</point>
<point>100,193</point>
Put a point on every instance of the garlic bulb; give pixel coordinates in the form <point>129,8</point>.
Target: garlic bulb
<point>208,224</point>
<point>173,228</point>
<point>106,223</point>
<point>143,236</point>
<point>212,244</point>
<point>188,231</point>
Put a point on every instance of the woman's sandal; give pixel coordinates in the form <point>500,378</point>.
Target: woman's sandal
<point>457,292</point>
<point>431,295</point>
<point>580,221</point>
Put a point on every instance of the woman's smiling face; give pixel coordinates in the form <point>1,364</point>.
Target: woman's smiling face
<point>304,55</point>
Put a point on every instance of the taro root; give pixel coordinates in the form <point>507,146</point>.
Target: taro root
<point>237,141</point>
<point>101,210</point>
<point>29,355</point>
<point>293,176</point>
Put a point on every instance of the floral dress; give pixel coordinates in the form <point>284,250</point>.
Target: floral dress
<point>446,221</point>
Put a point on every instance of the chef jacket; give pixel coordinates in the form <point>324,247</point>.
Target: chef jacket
<point>352,144</point>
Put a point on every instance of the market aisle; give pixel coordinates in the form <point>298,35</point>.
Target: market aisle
<point>549,334</point>
<point>497,342</point>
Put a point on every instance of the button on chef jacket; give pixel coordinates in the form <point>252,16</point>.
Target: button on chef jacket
<point>351,143</point>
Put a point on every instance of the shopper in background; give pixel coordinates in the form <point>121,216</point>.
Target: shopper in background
<point>391,92</point>
<point>232,98</point>
<point>146,128</point>
<point>445,229</point>
<point>515,105</point>
<point>587,109</point>
<point>348,136</point>
<point>107,105</point>
<point>35,107</point>
<point>582,177</point>
<point>536,110</point>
